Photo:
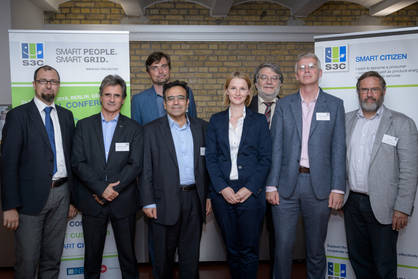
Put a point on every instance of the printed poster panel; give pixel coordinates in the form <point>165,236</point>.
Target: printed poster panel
<point>344,58</point>
<point>83,59</point>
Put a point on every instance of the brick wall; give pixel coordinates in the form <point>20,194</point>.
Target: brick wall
<point>86,12</point>
<point>205,65</point>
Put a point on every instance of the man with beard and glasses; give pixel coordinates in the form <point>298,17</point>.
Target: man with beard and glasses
<point>382,163</point>
<point>148,105</point>
<point>268,80</point>
<point>36,177</point>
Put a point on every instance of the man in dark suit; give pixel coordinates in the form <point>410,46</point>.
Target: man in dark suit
<point>307,175</point>
<point>36,177</point>
<point>175,184</point>
<point>107,159</point>
<point>268,79</point>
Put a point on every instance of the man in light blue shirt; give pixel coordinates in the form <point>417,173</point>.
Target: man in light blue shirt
<point>382,160</point>
<point>174,184</point>
<point>107,159</point>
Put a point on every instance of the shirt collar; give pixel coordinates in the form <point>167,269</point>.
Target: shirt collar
<point>112,120</point>
<point>261,100</point>
<point>173,124</point>
<point>243,113</point>
<point>314,100</point>
<point>379,113</point>
<point>41,105</point>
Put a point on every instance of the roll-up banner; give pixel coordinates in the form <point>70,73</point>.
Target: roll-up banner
<point>393,53</point>
<point>83,59</point>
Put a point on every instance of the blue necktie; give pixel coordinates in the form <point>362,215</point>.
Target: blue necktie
<point>50,131</point>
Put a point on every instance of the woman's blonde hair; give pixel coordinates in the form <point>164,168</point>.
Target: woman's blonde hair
<point>240,76</point>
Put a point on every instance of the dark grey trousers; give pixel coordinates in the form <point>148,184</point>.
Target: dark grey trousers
<point>40,238</point>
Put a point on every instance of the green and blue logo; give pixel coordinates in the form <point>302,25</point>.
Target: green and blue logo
<point>32,54</point>
<point>337,270</point>
<point>336,58</point>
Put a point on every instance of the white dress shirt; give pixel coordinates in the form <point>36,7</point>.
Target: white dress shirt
<point>234,135</point>
<point>61,168</point>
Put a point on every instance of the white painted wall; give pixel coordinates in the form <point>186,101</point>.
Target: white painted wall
<point>5,24</point>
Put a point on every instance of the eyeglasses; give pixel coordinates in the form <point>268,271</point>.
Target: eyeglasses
<point>180,98</point>
<point>310,66</point>
<point>374,90</point>
<point>272,78</point>
<point>53,82</point>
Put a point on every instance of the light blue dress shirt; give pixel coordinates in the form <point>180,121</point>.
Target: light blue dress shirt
<point>108,128</point>
<point>361,146</point>
<point>183,144</point>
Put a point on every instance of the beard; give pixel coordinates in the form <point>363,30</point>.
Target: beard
<point>267,96</point>
<point>49,98</point>
<point>371,107</point>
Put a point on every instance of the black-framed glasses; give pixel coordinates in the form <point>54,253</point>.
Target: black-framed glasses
<point>46,81</point>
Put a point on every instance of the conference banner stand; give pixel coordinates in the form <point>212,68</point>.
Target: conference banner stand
<point>83,59</point>
<point>344,58</point>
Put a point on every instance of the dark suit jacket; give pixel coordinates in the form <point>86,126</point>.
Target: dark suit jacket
<point>27,159</point>
<point>254,104</point>
<point>160,181</point>
<point>326,145</point>
<point>254,153</point>
<point>95,174</point>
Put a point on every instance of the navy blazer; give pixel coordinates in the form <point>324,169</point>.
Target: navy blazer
<point>144,106</point>
<point>326,145</point>
<point>254,153</point>
<point>27,159</point>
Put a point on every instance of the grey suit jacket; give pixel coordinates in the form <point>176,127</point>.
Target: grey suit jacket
<point>393,170</point>
<point>326,145</point>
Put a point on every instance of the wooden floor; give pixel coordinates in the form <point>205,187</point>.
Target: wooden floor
<point>209,270</point>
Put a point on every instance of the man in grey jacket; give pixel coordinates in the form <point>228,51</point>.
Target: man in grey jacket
<point>382,164</point>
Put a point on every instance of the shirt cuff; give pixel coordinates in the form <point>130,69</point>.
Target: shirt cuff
<point>338,191</point>
<point>271,189</point>
<point>150,206</point>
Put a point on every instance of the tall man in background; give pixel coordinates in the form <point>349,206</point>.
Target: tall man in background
<point>149,104</point>
<point>307,175</point>
<point>36,177</point>
<point>107,159</point>
<point>382,159</point>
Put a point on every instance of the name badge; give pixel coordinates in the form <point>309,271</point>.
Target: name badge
<point>322,116</point>
<point>121,146</point>
<point>391,140</point>
<point>202,151</point>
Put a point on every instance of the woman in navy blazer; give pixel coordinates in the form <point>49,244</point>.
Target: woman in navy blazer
<point>238,158</point>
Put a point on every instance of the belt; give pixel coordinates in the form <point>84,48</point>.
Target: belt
<point>188,187</point>
<point>58,182</point>
<point>304,170</point>
<point>358,193</point>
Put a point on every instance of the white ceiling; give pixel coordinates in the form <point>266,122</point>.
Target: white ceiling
<point>220,8</point>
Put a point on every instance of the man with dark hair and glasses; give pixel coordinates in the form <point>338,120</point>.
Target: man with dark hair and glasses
<point>382,164</point>
<point>36,177</point>
<point>174,184</point>
<point>107,159</point>
<point>149,104</point>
